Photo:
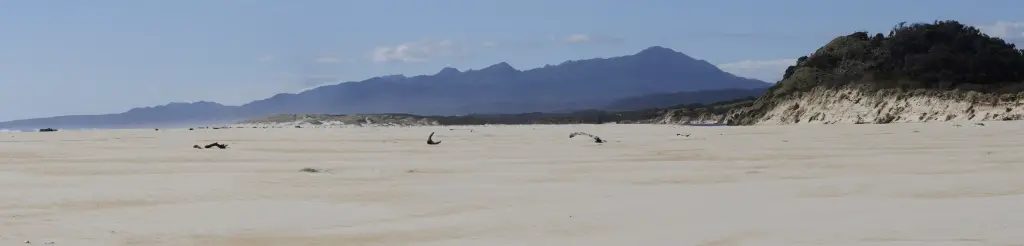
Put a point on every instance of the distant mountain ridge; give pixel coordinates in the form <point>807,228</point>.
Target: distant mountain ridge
<point>499,88</point>
<point>663,100</point>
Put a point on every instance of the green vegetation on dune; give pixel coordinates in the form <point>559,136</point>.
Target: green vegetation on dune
<point>943,55</point>
<point>933,57</point>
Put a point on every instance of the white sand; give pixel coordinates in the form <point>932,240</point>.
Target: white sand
<point>520,185</point>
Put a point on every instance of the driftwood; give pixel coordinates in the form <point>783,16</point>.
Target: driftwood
<point>596,138</point>
<point>430,140</point>
<point>216,144</point>
<point>312,170</point>
<point>47,130</point>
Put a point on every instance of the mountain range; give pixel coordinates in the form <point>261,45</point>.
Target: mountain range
<point>683,98</point>
<point>496,89</point>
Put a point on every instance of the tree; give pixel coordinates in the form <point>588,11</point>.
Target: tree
<point>943,54</point>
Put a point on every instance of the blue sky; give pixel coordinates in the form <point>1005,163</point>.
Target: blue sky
<point>104,56</point>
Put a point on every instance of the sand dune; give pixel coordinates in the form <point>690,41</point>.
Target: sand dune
<point>859,104</point>
<point>897,184</point>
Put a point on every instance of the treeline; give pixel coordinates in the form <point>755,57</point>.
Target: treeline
<point>941,55</point>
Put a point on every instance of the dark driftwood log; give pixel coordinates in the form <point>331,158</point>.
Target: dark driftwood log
<point>216,144</point>
<point>596,138</point>
<point>430,140</point>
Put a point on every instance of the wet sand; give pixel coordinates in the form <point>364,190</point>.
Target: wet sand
<point>897,184</point>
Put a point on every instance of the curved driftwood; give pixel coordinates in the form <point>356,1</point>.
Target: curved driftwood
<point>596,138</point>
<point>430,140</point>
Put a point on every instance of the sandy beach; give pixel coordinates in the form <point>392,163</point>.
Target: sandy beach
<point>897,184</point>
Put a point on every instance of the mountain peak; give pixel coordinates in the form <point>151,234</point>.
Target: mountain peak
<point>500,67</point>
<point>183,104</point>
<point>448,71</point>
<point>656,50</point>
<point>203,102</point>
<point>180,106</point>
<point>662,54</point>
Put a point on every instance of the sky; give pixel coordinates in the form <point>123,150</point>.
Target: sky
<point>107,56</point>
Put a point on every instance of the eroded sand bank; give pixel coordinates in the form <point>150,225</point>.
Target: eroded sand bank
<point>898,184</point>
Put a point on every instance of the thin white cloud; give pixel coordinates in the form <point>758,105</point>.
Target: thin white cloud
<point>418,51</point>
<point>489,44</point>
<point>328,59</point>
<point>765,70</point>
<point>266,58</point>
<point>580,38</point>
<point>1007,30</point>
